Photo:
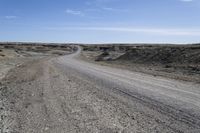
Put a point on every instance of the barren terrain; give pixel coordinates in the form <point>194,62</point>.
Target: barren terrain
<point>47,89</point>
<point>180,62</point>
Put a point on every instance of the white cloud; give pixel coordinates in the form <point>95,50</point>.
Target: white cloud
<point>153,31</point>
<point>114,9</point>
<point>186,0</point>
<point>10,17</point>
<point>106,1</point>
<point>106,9</point>
<point>74,12</point>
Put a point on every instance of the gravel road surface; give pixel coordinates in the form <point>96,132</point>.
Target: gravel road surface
<point>66,94</point>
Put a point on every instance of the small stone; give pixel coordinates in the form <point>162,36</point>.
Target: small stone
<point>46,128</point>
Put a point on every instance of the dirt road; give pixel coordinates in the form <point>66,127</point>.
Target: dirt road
<point>65,94</point>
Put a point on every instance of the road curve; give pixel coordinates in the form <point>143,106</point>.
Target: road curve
<point>68,95</point>
<point>176,99</point>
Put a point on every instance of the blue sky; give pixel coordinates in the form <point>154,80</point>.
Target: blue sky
<point>100,21</point>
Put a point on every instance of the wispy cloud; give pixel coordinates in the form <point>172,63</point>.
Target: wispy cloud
<point>92,10</point>
<point>74,12</point>
<point>186,0</point>
<point>114,9</point>
<point>10,17</point>
<point>106,1</point>
<point>156,31</point>
<point>95,2</point>
<point>86,12</point>
<point>105,9</point>
<point>102,5</point>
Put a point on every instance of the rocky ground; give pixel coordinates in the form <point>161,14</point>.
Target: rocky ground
<point>45,92</point>
<point>42,98</point>
<point>13,57</point>
<point>173,61</point>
